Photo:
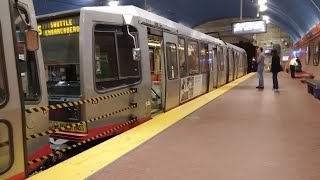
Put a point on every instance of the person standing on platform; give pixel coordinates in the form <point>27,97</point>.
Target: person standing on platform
<point>293,64</point>
<point>260,67</point>
<point>298,65</point>
<point>275,69</point>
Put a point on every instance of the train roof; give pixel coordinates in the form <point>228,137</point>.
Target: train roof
<point>147,16</point>
<point>58,14</point>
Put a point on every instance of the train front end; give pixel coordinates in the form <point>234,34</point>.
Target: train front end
<point>60,43</point>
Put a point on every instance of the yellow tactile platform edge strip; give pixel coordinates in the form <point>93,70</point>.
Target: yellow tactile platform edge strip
<point>89,162</point>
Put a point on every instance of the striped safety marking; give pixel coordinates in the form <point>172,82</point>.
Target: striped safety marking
<point>77,103</point>
<point>34,136</point>
<point>56,153</point>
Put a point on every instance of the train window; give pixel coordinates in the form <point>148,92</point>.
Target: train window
<point>307,55</point>
<point>151,59</point>
<point>204,58</point>
<point>105,56</point>
<point>182,58</point>
<point>222,59</point>
<point>27,61</point>
<point>172,64</point>
<point>61,56</point>
<point>3,92</point>
<point>237,58</point>
<point>128,67</point>
<point>316,54</point>
<point>5,151</point>
<point>193,57</point>
<point>230,61</point>
<point>114,65</point>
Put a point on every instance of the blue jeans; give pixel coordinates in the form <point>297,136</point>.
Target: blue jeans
<point>260,76</point>
<point>275,80</point>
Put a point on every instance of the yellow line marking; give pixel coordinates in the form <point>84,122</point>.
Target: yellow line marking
<point>98,157</point>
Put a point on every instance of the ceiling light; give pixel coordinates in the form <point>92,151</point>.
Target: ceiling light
<point>113,3</point>
<point>261,2</point>
<point>263,8</point>
<point>265,18</point>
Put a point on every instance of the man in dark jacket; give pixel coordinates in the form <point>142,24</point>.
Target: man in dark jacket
<point>275,69</point>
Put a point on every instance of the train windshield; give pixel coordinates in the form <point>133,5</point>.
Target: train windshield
<point>60,47</point>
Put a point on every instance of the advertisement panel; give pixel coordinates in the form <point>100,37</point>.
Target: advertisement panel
<point>190,87</point>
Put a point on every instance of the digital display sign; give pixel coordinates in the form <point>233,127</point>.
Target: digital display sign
<point>59,26</point>
<point>249,27</point>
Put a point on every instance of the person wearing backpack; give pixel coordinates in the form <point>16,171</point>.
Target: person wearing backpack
<point>275,69</point>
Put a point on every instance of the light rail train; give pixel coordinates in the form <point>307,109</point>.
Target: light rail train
<point>97,52</point>
<point>90,53</point>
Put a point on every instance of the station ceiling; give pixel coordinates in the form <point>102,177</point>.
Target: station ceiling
<point>296,17</point>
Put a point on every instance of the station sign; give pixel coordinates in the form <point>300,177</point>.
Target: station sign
<point>249,27</point>
<point>53,27</point>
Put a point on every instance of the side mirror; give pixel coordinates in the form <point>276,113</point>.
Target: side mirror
<point>136,52</point>
<point>32,40</point>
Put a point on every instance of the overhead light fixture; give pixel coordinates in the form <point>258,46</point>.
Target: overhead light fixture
<point>266,18</point>
<point>113,3</point>
<point>261,2</point>
<point>263,7</point>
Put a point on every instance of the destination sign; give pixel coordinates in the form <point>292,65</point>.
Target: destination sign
<point>249,27</point>
<point>59,26</point>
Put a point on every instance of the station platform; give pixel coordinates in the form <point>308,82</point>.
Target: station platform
<point>233,133</point>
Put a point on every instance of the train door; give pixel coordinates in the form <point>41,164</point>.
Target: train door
<point>245,64</point>
<point>213,67</point>
<point>223,66</point>
<point>220,63</point>
<point>230,65</point>
<point>226,56</point>
<point>155,41</point>
<point>211,72</point>
<point>236,64</point>
<point>240,64</point>
<point>170,43</point>
<point>12,144</point>
<point>33,84</point>
<point>204,67</point>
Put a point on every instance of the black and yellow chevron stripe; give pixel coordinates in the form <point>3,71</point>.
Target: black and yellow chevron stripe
<point>80,143</point>
<point>77,103</point>
<point>37,135</point>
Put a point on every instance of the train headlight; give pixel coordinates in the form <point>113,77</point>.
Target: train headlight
<point>73,113</point>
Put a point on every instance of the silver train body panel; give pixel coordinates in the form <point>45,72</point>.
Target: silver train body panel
<point>221,71</point>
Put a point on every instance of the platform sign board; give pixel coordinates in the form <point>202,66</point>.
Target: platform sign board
<point>249,27</point>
